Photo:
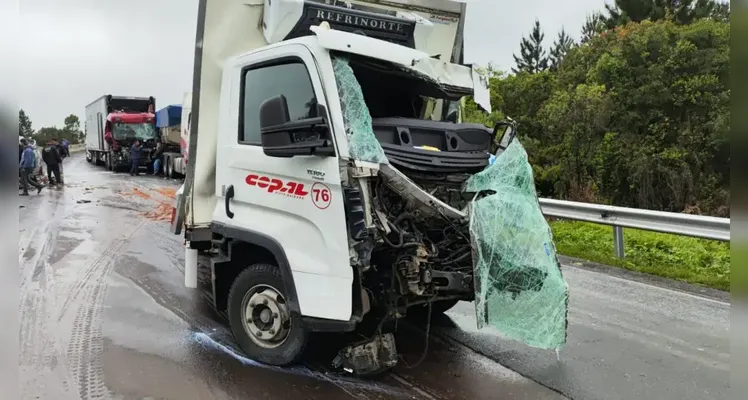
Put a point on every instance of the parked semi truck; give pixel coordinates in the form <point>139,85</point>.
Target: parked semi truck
<point>169,125</point>
<point>113,124</point>
<point>325,170</point>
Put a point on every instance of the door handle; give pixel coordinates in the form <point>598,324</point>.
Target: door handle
<point>227,199</point>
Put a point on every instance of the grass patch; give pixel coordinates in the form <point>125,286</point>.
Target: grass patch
<point>699,261</point>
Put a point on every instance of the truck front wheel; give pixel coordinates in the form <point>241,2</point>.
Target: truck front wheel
<point>261,319</point>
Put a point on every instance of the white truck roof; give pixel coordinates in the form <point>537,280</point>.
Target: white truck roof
<point>228,28</point>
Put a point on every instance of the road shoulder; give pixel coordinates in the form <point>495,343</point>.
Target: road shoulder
<point>653,280</point>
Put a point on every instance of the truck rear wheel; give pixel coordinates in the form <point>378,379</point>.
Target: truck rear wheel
<point>261,319</point>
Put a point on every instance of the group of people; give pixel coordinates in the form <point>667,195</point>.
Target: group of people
<point>52,154</point>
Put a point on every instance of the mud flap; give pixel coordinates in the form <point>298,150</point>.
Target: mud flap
<point>519,287</point>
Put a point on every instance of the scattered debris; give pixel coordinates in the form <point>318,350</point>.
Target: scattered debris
<point>162,196</point>
<point>83,201</point>
<point>136,192</point>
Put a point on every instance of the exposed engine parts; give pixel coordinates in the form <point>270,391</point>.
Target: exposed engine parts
<point>417,256</point>
<point>369,357</point>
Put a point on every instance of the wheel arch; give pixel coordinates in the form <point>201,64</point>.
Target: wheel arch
<point>253,247</point>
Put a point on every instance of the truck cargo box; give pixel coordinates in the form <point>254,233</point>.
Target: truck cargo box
<point>169,116</point>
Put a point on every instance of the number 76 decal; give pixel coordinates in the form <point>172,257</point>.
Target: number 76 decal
<point>321,195</point>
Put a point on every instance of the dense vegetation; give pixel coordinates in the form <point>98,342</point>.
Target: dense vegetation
<point>637,114</point>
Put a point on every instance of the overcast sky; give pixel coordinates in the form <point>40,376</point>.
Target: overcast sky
<point>74,51</point>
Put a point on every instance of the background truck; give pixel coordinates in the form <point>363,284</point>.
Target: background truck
<point>113,123</point>
<point>169,125</point>
<point>326,160</point>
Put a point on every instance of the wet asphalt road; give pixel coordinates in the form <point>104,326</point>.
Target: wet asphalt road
<point>104,315</point>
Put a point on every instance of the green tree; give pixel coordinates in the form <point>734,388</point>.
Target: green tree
<point>637,116</point>
<point>576,121</point>
<point>622,12</point>
<point>72,129</point>
<point>561,46</point>
<point>593,24</point>
<point>24,124</point>
<point>721,12</point>
<point>533,56</point>
<point>47,133</point>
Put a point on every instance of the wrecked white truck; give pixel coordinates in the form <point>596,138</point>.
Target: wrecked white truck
<point>332,186</point>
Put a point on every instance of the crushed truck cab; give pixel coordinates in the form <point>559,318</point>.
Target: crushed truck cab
<point>328,186</point>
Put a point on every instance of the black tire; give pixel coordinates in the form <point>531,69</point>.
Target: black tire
<point>88,157</point>
<point>291,349</point>
<point>172,174</point>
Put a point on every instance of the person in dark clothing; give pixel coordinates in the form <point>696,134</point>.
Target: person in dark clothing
<point>27,163</point>
<point>64,153</point>
<point>135,152</point>
<point>51,156</point>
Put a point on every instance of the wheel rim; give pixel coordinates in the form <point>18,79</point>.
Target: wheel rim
<point>265,316</point>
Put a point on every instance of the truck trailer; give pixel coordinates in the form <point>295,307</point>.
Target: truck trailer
<point>169,125</point>
<point>113,124</point>
<point>327,171</point>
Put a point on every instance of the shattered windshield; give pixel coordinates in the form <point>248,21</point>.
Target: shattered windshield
<point>143,131</point>
<point>370,90</point>
<point>362,144</point>
<point>519,286</point>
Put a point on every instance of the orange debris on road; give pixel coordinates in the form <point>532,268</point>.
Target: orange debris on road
<point>168,192</point>
<point>162,211</point>
<point>136,192</point>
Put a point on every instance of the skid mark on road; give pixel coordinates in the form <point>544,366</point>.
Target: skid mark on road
<point>41,356</point>
<point>86,344</point>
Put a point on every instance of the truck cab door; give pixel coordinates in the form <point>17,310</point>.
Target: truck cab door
<point>294,203</point>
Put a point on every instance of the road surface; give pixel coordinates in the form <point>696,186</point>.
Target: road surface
<point>104,315</point>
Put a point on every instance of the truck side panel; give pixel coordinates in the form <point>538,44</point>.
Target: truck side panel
<point>229,27</point>
<point>95,117</point>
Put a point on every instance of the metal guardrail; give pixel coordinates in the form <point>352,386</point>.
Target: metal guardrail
<point>621,217</point>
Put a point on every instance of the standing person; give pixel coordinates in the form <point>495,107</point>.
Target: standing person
<point>66,146</point>
<point>135,152</point>
<point>28,161</point>
<point>51,156</point>
<point>62,148</point>
<point>156,157</point>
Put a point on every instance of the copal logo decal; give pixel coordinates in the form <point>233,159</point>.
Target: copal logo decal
<point>278,186</point>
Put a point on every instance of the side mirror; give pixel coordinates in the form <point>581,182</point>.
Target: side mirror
<point>282,137</point>
<point>504,133</point>
<point>453,112</point>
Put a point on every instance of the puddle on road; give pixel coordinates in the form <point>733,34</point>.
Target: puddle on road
<point>340,381</point>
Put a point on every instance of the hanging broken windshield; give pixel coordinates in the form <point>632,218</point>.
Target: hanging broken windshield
<point>519,287</point>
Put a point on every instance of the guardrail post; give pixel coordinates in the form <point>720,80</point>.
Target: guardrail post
<point>618,241</point>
